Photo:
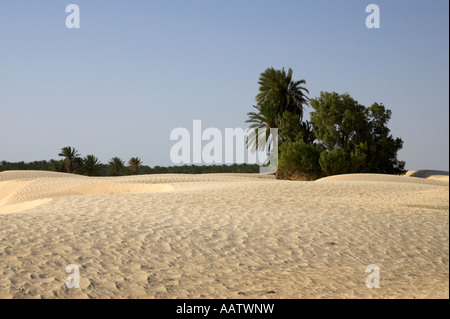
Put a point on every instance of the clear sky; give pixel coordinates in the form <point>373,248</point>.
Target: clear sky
<point>137,69</point>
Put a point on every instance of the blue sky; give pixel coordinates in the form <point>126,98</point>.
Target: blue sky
<point>135,70</point>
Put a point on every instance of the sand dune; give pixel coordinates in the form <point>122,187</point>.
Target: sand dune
<point>28,175</point>
<point>18,192</point>
<point>429,174</point>
<point>222,236</point>
<point>383,178</point>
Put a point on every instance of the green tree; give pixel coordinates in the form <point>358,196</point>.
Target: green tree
<point>135,163</point>
<point>286,94</point>
<point>280,104</point>
<point>356,139</point>
<point>261,122</point>
<point>116,165</point>
<point>381,147</point>
<point>291,129</point>
<point>57,166</point>
<point>91,165</point>
<point>71,156</point>
<point>338,120</point>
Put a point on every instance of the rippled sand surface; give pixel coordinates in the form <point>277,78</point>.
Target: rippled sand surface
<point>223,236</point>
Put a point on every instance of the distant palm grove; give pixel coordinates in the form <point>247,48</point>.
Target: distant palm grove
<point>341,137</point>
<point>91,166</point>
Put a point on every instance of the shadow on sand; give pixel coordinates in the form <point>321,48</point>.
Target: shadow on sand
<point>427,173</point>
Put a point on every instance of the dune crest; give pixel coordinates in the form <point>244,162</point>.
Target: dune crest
<point>19,193</point>
<point>429,174</point>
<point>97,188</point>
<point>383,178</point>
<point>32,174</point>
<point>20,207</point>
<point>7,188</point>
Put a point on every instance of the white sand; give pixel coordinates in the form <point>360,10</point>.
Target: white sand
<point>223,236</point>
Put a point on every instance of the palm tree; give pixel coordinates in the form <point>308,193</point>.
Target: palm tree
<point>91,165</point>
<point>261,123</point>
<point>278,93</point>
<point>116,165</point>
<point>135,163</point>
<point>70,155</point>
<point>286,94</point>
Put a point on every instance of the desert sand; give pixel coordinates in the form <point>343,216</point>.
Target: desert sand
<point>224,236</point>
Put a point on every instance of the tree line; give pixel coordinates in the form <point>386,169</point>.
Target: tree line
<point>91,166</point>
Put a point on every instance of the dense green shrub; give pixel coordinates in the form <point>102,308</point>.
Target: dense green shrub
<point>341,161</point>
<point>299,160</point>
